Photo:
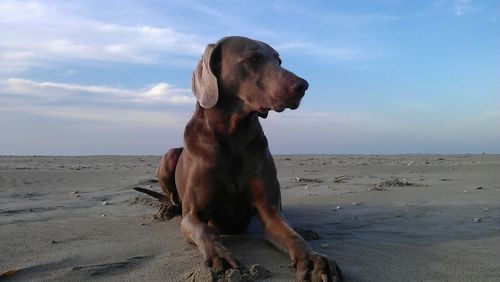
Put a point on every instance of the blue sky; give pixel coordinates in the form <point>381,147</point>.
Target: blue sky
<point>386,77</point>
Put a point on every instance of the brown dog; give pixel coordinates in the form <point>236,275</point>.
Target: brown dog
<point>225,173</point>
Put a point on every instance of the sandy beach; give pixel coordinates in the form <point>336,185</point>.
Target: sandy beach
<point>383,218</point>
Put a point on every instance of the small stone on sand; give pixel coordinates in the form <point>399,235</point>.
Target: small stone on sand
<point>233,275</point>
<point>258,272</point>
<point>338,207</point>
<point>486,209</point>
<point>104,203</point>
<point>355,203</point>
<point>478,187</point>
<point>477,219</point>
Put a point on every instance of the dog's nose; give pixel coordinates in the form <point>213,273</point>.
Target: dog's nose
<point>300,85</point>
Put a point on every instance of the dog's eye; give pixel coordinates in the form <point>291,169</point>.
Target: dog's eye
<point>254,59</point>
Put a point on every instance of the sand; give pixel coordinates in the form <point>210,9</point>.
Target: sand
<point>388,218</point>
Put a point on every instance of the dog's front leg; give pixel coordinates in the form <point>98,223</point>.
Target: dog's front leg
<point>310,265</point>
<point>207,240</point>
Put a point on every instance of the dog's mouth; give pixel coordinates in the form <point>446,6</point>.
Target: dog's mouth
<point>279,106</point>
<point>263,112</point>
<point>288,105</point>
<point>294,105</point>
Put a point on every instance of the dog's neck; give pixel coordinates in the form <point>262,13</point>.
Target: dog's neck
<point>226,119</point>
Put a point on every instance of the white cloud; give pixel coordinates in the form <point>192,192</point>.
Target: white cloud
<point>347,122</point>
<point>128,117</point>
<point>13,61</point>
<point>371,132</point>
<point>332,52</point>
<point>53,91</point>
<point>39,32</point>
<point>492,114</point>
<point>463,7</point>
<point>164,92</point>
<point>308,131</point>
<point>146,107</point>
<point>330,16</point>
<point>96,105</point>
<point>47,33</point>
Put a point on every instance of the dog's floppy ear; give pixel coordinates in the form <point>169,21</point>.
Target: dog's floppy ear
<point>204,81</point>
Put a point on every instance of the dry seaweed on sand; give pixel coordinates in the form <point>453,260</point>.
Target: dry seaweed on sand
<point>394,182</point>
<point>340,179</point>
<point>247,273</point>
<point>310,180</point>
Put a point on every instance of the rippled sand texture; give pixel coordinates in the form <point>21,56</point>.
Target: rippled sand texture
<point>383,218</point>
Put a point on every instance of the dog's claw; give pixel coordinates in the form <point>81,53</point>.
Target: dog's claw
<point>221,259</point>
<point>315,267</point>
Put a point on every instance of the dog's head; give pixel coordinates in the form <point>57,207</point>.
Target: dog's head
<point>247,72</point>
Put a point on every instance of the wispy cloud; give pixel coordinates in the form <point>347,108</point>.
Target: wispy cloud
<point>463,7</point>
<point>330,52</point>
<point>154,106</point>
<point>373,132</point>
<point>53,91</point>
<point>41,33</point>
<point>436,4</point>
<point>35,32</point>
<point>320,15</point>
<point>122,66</point>
<point>329,132</point>
<point>115,116</point>
<point>335,122</point>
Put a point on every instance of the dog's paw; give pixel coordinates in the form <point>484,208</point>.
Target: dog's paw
<point>220,259</point>
<point>167,211</point>
<point>315,267</point>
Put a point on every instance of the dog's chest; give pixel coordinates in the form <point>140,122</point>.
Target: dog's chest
<point>234,175</point>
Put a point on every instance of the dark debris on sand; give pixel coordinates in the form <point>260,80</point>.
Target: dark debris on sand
<point>253,273</point>
<point>166,210</point>
<point>395,182</point>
